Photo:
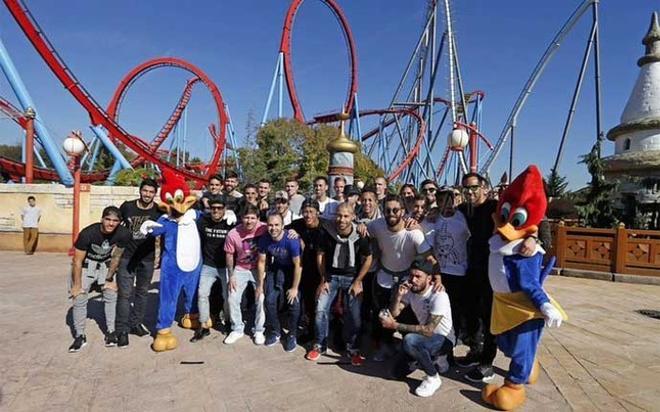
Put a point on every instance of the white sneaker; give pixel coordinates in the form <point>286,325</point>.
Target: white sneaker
<point>233,337</point>
<point>429,385</point>
<point>441,364</point>
<point>259,338</point>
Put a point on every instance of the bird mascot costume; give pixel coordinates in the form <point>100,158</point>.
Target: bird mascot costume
<point>181,258</point>
<point>521,308</point>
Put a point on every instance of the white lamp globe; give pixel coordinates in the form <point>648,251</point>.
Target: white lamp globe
<point>458,139</point>
<point>73,145</point>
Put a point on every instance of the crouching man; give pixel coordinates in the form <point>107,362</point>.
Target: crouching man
<point>424,345</point>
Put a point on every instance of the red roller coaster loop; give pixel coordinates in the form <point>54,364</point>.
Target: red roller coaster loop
<point>98,116</point>
<point>200,76</point>
<point>285,49</point>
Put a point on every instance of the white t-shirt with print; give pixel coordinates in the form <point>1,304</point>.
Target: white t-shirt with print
<point>398,249</point>
<point>429,303</point>
<point>449,242</point>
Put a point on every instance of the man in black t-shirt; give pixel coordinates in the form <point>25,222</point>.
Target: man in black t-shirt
<point>98,250</point>
<point>478,210</point>
<point>308,228</point>
<point>213,229</point>
<point>343,259</point>
<point>137,263</point>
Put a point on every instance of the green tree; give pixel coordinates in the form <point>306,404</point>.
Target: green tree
<point>596,209</point>
<point>284,148</point>
<point>133,177</point>
<point>276,152</point>
<point>556,184</point>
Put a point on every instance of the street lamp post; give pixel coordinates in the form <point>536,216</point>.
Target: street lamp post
<point>74,146</point>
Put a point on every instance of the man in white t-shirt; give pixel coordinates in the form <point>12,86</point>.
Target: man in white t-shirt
<point>399,247</point>
<point>327,204</point>
<point>429,341</point>
<point>450,238</point>
<point>30,215</point>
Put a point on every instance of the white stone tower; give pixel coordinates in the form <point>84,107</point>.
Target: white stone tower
<point>636,160</point>
<point>637,137</point>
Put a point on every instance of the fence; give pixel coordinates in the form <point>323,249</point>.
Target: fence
<point>620,250</point>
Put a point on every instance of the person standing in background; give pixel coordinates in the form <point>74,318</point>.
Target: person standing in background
<point>30,215</point>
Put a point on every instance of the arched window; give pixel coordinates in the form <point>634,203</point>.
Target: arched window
<point>626,144</point>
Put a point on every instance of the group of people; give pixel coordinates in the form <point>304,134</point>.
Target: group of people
<point>368,262</point>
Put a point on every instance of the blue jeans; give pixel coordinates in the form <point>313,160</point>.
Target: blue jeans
<point>352,322</point>
<point>206,280</point>
<point>243,277</point>
<point>424,349</point>
<point>276,285</point>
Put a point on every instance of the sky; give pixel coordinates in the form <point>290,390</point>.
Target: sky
<point>236,44</point>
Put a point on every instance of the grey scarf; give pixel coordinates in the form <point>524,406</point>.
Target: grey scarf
<point>342,243</point>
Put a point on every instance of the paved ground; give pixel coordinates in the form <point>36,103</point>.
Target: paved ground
<point>606,357</point>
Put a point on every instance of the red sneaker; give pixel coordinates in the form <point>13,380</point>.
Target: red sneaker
<point>357,359</point>
<point>314,354</point>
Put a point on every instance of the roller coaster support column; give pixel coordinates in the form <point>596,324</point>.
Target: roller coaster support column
<point>341,151</point>
<point>120,160</point>
<point>29,145</point>
<point>474,147</point>
<point>25,101</point>
<point>278,77</point>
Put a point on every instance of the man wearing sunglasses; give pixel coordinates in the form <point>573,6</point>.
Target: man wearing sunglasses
<point>213,229</point>
<point>429,189</point>
<point>478,210</point>
<point>399,247</point>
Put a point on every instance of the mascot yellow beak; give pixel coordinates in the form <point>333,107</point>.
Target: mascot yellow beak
<point>177,205</point>
<point>509,232</point>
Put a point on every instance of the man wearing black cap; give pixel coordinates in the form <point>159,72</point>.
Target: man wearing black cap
<point>137,263</point>
<point>213,229</point>
<point>308,228</point>
<point>352,196</point>
<point>433,337</point>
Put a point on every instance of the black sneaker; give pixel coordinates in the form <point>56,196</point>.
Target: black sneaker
<point>78,343</point>
<point>480,374</point>
<point>200,334</point>
<point>122,340</point>
<point>467,361</point>
<point>110,339</point>
<point>140,330</point>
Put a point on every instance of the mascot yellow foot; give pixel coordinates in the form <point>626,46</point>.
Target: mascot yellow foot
<point>189,321</point>
<point>164,341</point>
<point>534,375</point>
<point>506,397</point>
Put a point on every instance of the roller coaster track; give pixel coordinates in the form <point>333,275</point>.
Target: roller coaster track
<point>98,116</point>
<point>285,49</point>
<point>398,113</point>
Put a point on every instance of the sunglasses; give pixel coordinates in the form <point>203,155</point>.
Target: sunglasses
<point>472,188</point>
<point>389,211</point>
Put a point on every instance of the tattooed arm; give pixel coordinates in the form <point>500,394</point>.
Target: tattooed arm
<point>426,330</point>
<point>115,257</point>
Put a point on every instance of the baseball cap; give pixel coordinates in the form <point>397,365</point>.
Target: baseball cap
<point>217,200</point>
<point>281,194</point>
<point>422,264</point>
<point>351,190</point>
